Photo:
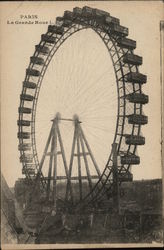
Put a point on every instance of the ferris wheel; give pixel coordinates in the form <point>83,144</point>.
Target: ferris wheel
<point>129,98</point>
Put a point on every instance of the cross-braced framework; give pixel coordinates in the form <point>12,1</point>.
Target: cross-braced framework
<point>129,89</point>
<point>81,150</point>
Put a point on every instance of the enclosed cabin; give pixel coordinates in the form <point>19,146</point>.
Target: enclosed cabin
<point>66,23</point>
<point>23,123</point>
<point>24,110</point>
<point>87,13</point>
<point>29,85</point>
<point>132,59</point>
<point>32,72</point>
<point>58,30</point>
<point>37,60</point>
<point>59,21</point>
<point>138,98</point>
<point>68,15</point>
<point>42,49</point>
<point>30,171</point>
<point>77,12</point>
<point>109,21</point>
<point>125,177</point>
<point>26,97</point>
<point>126,43</point>
<point>137,119</point>
<point>100,15</point>
<point>119,30</point>
<point>136,77</point>
<point>27,158</point>
<point>134,140</point>
<point>130,159</point>
<point>24,146</point>
<point>23,135</point>
<point>77,15</point>
<point>48,39</point>
<point>67,18</point>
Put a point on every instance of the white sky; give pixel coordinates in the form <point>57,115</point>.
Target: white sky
<point>17,45</point>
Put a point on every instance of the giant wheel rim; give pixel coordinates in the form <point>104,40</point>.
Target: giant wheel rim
<point>121,69</point>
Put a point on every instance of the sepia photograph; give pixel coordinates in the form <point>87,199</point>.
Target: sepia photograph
<point>81,124</point>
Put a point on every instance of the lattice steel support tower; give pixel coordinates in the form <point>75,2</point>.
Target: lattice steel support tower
<point>53,143</point>
<point>82,150</point>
